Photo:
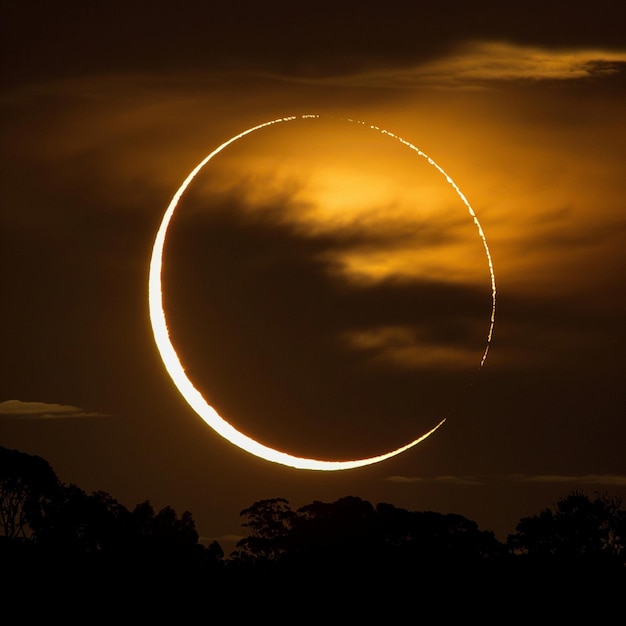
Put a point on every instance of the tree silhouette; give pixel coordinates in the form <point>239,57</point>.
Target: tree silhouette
<point>576,530</point>
<point>57,536</point>
<point>27,483</point>
<point>341,532</point>
<point>164,541</point>
<point>75,522</point>
<point>352,536</point>
<point>268,524</point>
<point>429,537</point>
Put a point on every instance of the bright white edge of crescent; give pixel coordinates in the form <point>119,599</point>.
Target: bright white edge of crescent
<point>177,372</point>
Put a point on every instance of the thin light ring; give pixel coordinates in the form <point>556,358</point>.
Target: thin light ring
<point>177,372</point>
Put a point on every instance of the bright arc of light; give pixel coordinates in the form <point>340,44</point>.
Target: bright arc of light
<point>177,372</point>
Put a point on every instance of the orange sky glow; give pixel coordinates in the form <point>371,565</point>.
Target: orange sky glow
<point>325,288</point>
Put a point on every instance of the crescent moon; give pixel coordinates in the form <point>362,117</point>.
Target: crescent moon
<point>176,370</point>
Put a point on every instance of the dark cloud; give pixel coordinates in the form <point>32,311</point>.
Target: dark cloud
<point>268,330</point>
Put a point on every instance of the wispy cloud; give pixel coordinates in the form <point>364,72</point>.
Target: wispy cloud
<point>401,345</point>
<point>478,63</point>
<point>585,479</point>
<point>614,480</point>
<point>43,410</point>
<point>494,61</point>
<point>452,480</point>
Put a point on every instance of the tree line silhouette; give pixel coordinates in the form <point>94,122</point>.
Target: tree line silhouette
<point>51,529</point>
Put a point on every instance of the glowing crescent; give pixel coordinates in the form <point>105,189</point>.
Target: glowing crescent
<point>176,371</point>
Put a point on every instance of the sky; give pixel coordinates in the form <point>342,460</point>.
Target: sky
<point>325,286</point>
